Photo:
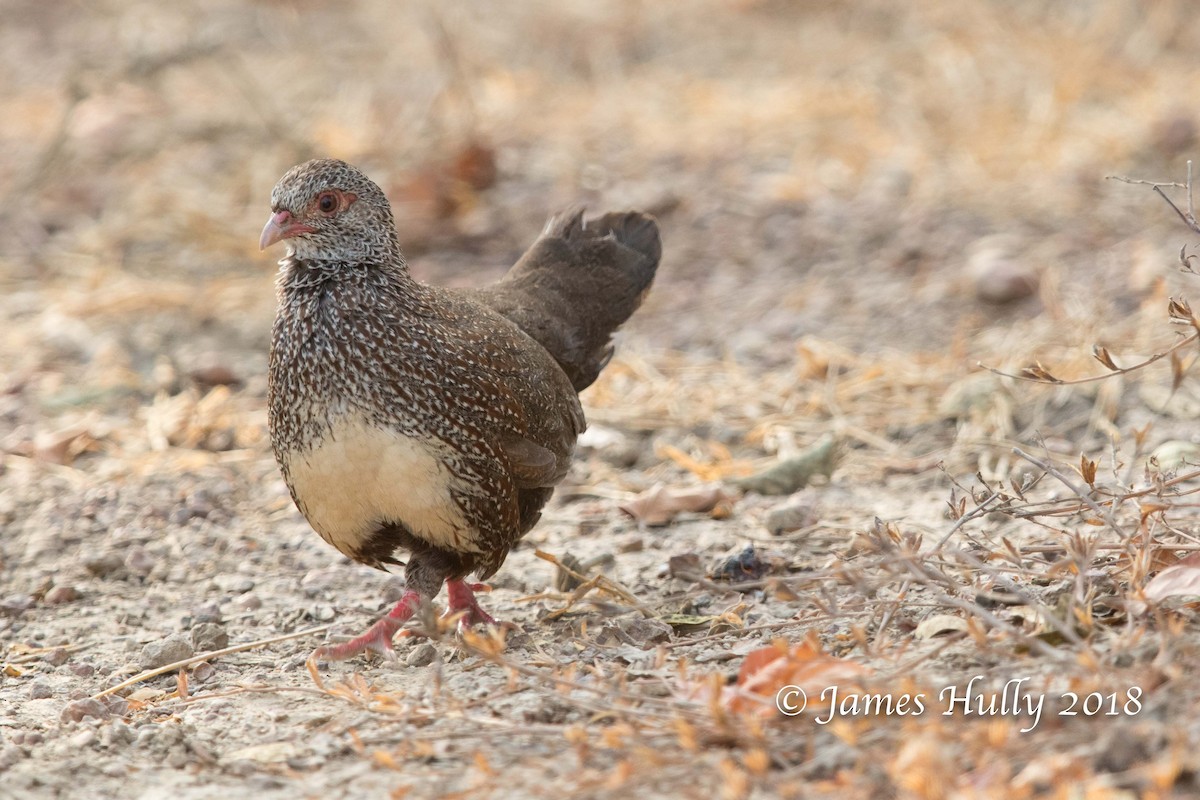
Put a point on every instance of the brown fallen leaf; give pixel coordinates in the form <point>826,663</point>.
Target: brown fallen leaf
<point>64,445</point>
<point>940,624</point>
<point>658,505</point>
<point>765,672</point>
<point>1178,579</point>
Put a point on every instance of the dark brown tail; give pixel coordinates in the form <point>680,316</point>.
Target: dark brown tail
<point>577,284</point>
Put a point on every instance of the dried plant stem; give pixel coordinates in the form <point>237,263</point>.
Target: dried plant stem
<point>599,581</point>
<point>196,659</point>
<point>1100,511</point>
<point>1093,378</point>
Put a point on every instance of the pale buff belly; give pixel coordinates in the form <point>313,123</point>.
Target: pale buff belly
<point>362,476</point>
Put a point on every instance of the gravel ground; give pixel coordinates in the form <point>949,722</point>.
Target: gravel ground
<point>859,202</point>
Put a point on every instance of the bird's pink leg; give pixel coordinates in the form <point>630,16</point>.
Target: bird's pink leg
<point>460,596</point>
<point>378,637</point>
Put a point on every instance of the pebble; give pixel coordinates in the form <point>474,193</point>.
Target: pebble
<point>118,733</point>
<point>177,757</point>
<point>104,564</point>
<point>40,690</point>
<point>15,605</point>
<point>318,580</point>
<point>117,706</point>
<point>248,602</point>
<point>81,669</point>
<point>146,735</point>
<point>208,612</point>
<point>791,517</point>
<point>139,561</point>
<point>10,755</point>
<point>82,709</point>
<point>165,651</point>
<point>209,636</point>
<point>422,655</point>
<point>999,276</point>
<point>57,657</point>
<point>85,738</point>
<point>641,630</point>
<point>233,583</point>
<point>62,594</point>
<point>200,503</point>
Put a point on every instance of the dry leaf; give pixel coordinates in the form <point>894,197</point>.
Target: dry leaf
<point>63,446</point>
<point>939,624</point>
<point>767,670</point>
<point>1102,355</point>
<point>659,505</point>
<point>1179,579</point>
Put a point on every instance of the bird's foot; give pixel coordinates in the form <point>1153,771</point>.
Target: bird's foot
<point>461,600</point>
<point>378,638</point>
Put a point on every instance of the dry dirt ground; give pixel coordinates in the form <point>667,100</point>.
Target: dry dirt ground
<point>860,202</point>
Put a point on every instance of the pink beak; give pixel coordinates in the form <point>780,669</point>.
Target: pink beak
<point>279,227</point>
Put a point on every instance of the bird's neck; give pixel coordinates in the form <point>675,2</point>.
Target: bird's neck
<point>302,276</point>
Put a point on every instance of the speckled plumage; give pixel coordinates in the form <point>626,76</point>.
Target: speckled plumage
<point>412,417</point>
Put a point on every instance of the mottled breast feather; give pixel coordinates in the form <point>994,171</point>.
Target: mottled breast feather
<point>368,364</point>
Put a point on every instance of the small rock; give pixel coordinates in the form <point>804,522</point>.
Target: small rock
<point>40,690</point>
<point>28,738</point>
<point>139,561</point>
<point>200,503</point>
<point>85,738</point>
<point>510,580</point>
<point>209,612</point>
<point>62,594</point>
<point>105,564</point>
<point>792,517</point>
<point>82,709</point>
<point>209,636</point>
<point>316,581</point>
<point>685,566</point>
<point>422,655</point>
<point>118,733</point>
<point>15,605</point>
<point>146,735</point>
<point>9,755</point>
<point>117,706</point>
<point>233,583</point>
<point>81,669</point>
<point>640,630</point>
<point>203,672</point>
<point>997,275</point>
<point>57,657</point>
<point>165,651</point>
<point>249,602</point>
<point>264,753</point>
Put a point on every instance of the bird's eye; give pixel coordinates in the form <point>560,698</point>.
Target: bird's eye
<point>327,202</point>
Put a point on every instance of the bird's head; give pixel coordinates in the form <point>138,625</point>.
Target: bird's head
<point>327,210</point>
